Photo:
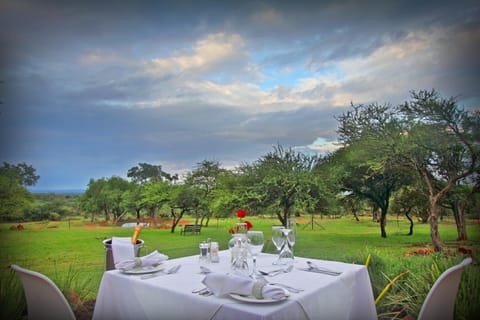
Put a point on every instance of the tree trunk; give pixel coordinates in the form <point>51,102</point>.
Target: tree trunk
<point>411,224</point>
<point>280,217</point>
<point>383,223</point>
<point>355,215</point>
<point>208,220</point>
<point>375,213</point>
<point>155,212</point>
<point>437,243</point>
<point>107,215</point>
<point>459,221</point>
<point>176,220</point>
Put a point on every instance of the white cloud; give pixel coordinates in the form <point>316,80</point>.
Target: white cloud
<point>390,71</point>
<point>319,146</point>
<point>207,55</point>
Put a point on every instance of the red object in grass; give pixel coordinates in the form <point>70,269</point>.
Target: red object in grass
<point>231,231</point>
<point>249,225</point>
<point>241,213</point>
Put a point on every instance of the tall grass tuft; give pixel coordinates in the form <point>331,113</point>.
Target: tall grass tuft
<point>467,305</point>
<point>12,304</point>
<point>67,281</point>
<point>407,295</point>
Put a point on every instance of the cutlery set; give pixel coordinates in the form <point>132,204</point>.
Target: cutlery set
<point>204,270</point>
<point>314,268</point>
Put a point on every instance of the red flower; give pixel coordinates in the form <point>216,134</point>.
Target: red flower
<point>249,225</point>
<point>241,213</point>
<point>231,231</point>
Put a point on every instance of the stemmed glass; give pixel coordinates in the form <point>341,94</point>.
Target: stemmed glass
<point>286,255</point>
<point>255,245</point>
<point>278,239</point>
<point>291,237</point>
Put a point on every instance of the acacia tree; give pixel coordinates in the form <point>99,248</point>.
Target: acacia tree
<point>369,165</point>
<point>14,197</point>
<point>146,172</point>
<point>151,191</point>
<point>285,179</point>
<point>105,195</point>
<point>115,191</point>
<point>441,143</point>
<point>133,199</point>
<point>409,201</point>
<point>154,195</point>
<point>458,200</point>
<point>204,177</point>
<point>184,198</point>
<point>94,199</point>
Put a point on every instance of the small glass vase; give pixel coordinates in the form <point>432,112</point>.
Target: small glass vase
<point>238,246</point>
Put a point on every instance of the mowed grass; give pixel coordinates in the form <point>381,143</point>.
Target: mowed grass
<point>73,250</point>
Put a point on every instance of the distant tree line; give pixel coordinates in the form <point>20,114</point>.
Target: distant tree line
<point>419,159</point>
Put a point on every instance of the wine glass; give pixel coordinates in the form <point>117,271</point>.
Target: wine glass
<point>291,237</point>
<point>255,246</point>
<point>286,255</point>
<point>278,238</point>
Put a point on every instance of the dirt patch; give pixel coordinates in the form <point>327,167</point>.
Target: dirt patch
<point>85,310</point>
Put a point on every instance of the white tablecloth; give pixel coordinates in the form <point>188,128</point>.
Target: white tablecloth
<point>348,296</point>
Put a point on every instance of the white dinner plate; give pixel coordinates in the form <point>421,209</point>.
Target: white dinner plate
<point>252,299</point>
<point>143,270</point>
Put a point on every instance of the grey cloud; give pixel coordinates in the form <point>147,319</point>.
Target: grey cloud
<point>75,118</point>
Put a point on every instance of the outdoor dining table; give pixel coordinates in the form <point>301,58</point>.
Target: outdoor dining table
<point>169,296</point>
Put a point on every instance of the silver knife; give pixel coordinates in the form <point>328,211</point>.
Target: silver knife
<point>331,273</point>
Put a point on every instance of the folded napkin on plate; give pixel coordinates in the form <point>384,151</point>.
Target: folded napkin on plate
<point>223,284</point>
<point>152,259</point>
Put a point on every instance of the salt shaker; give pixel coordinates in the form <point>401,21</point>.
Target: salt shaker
<point>203,252</point>
<point>214,252</point>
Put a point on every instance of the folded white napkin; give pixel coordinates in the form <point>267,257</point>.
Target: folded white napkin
<point>122,249</point>
<point>223,284</point>
<point>152,259</point>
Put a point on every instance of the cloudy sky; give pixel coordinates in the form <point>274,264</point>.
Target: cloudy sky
<point>91,88</point>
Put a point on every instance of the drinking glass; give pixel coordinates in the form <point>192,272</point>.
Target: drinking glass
<point>278,239</point>
<point>291,238</point>
<point>255,245</point>
<point>241,227</point>
<point>286,255</point>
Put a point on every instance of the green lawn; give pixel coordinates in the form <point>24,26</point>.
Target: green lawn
<point>72,253</point>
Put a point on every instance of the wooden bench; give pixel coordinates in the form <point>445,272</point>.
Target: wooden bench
<point>192,228</point>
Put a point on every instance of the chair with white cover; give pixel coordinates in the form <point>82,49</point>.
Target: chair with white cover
<point>44,299</point>
<point>440,300</point>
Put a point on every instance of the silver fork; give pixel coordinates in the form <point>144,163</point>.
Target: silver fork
<point>284,286</point>
<point>276,272</point>
<point>289,288</point>
<point>172,270</point>
<point>203,292</point>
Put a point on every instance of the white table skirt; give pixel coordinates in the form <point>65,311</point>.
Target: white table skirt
<point>348,296</point>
